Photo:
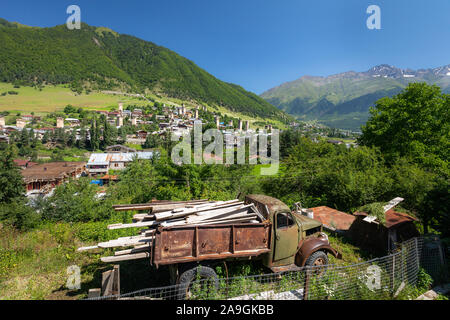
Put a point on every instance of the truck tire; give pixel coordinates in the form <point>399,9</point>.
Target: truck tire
<point>208,280</point>
<point>316,260</point>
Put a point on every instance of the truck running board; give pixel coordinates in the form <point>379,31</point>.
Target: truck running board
<point>290,267</point>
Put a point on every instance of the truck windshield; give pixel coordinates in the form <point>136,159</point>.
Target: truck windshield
<point>284,220</point>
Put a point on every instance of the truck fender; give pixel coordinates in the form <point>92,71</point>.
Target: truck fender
<point>309,246</point>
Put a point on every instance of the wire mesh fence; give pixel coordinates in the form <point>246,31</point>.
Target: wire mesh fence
<point>380,278</point>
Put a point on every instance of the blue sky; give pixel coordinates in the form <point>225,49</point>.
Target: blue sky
<point>260,44</point>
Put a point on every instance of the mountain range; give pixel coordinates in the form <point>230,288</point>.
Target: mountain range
<point>97,58</point>
<point>343,100</point>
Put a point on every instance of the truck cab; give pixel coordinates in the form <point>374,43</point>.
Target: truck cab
<point>296,240</point>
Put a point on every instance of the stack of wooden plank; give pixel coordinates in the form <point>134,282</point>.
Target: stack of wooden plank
<point>169,214</point>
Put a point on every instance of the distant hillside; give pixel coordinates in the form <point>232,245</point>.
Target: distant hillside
<point>100,59</point>
<point>343,100</point>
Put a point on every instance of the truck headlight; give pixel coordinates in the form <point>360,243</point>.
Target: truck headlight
<point>322,234</point>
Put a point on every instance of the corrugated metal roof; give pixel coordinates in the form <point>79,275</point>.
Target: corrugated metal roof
<point>333,218</point>
<point>393,218</point>
<point>106,158</point>
<point>51,170</point>
<point>98,159</point>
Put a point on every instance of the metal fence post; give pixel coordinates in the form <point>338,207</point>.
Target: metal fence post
<point>416,241</point>
<point>306,287</point>
<point>393,274</point>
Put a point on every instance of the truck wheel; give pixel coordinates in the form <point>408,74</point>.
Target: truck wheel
<point>201,279</point>
<point>318,260</point>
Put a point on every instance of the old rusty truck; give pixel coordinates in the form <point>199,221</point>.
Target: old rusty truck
<point>285,240</point>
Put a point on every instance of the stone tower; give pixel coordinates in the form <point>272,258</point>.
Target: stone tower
<point>20,123</point>
<point>59,122</point>
<point>218,122</point>
<point>120,121</point>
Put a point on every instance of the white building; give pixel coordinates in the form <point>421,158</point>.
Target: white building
<point>100,163</point>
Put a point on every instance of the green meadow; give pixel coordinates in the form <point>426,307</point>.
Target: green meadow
<point>55,98</point>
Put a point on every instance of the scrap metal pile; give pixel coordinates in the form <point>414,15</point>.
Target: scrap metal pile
<point>164,213</point>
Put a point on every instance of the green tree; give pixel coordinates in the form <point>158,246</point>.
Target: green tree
<point>76,201</point>
<point>24,138</point>
<point>152,141</point>
<point>94,135</point>
<point>13,208</point>
<point>414,123</point>
<point>108,136</point>
<point>11,181</point>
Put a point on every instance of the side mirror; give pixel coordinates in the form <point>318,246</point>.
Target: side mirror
<point>298,206</point>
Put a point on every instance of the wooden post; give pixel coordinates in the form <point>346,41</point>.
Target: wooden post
<point>106,283</point>
<point>111,282</point>
<point>94,293</point>
<point>116,280</point>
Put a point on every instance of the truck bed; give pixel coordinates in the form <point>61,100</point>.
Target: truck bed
<point>210,242</point>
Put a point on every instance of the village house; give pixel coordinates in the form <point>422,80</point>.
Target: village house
<point>72,122</point>
<point>141,134</point>
<point>23,164</point>
<point>20,123</point>
<point>42,178</point>
<point>4,139</point>
<point>338,142</point>
<point>101,163</point>
<point>119,148</point>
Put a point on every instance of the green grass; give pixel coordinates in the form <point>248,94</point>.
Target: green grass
<point>55,98</point>
<point>134,146</point>
<point>33,264</point>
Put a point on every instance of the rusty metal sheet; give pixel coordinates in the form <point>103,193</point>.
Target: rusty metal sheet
<point>196,243</point>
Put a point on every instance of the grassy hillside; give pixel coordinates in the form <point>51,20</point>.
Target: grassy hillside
<point>55,98</point>
<point>96,59</point>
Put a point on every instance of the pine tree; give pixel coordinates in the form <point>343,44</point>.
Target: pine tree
<point>11,181</point>
<point>24,138</point>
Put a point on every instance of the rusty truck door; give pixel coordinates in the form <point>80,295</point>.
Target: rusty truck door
<point>286,236</point>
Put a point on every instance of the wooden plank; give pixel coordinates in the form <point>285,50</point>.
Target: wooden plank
<point>132,225</point>
<point>241,220</point>
<point>125,243</point>
<point>156,207</point>
<point>180,212</point>
<point>237,218</point>
<point>126,257</point>
<point>217,214</point>
<point>197,210</point>
<point>392,203</point>
<point>136,249</point>
<point>87,248</point>
<point>220,216</point>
